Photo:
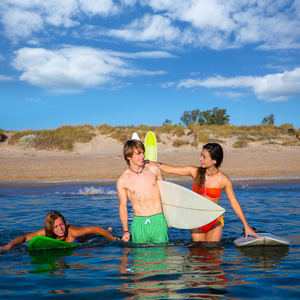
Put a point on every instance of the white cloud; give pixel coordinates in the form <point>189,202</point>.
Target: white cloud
<point>22,18</point>
<point>71,68</point>
<point>199,13</point>
<point>272,25</point>
<point>216,24</point>
<point>278,87</point>
<point>149,28</point>
<point>149,54</point>
<point>167,31</point>
<point>5,78</point>
<point>96,7</point>
<point>168,84</point>
<point>59,13</point>
<point>271,88</point>
<point>21,24</point>
<point>230,24</point>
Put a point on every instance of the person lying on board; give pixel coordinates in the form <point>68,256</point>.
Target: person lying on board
<point>139,184</point>
<point>56,227</point>
<point>209,182</point>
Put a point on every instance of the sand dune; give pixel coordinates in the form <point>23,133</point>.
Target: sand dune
<point>101,161</point>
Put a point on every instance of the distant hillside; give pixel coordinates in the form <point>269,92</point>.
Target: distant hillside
<point>64,138</point>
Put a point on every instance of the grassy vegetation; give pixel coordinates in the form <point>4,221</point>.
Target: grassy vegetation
<point>65,137</point>
<point>242,142</point>
<point>174,130</point>
<point>62,138</point>
<point>179,143</point>
<point>122,133</point>
<point>27,141</point>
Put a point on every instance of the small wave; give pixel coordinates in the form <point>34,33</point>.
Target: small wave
<point>96,191</point>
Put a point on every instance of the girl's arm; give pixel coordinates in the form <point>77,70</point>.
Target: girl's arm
<point>183,171</point>
<point>76,232</point>
<point>237,207</point>
<point>22,239</point>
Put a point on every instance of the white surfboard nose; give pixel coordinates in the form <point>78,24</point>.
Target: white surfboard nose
<point>185,209</point>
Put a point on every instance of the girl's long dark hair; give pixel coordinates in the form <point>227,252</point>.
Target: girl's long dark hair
<point>216,153</point>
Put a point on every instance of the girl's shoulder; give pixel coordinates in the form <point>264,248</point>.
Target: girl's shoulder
<point>72,227</point>
<point>225,180</point>
<point>193,170</point>
<point>41,231</point>
<point>73,230</point>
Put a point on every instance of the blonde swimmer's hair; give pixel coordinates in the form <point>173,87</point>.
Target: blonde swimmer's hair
<point>49,224</point>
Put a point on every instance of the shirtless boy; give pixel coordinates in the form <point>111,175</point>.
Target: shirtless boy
<point>139,184</point>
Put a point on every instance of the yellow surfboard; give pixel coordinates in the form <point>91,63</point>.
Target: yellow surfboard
<point>150,146</point>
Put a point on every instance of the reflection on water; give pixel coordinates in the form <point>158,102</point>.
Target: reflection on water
<point>147,267</point>
<point>264,257</point>
<point>203,271</point>
<point>52,262</point>
<point>181,269</point>
<point>169,272</point>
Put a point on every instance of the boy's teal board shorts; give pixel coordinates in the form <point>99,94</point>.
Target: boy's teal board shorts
<point>149,229</point>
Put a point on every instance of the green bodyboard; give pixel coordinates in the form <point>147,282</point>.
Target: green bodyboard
<point>150,147</point>
<point>40,242</point>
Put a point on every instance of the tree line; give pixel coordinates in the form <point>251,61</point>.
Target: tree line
<point>215,116</point>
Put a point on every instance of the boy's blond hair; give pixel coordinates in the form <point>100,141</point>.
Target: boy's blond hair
<point>129,147</point>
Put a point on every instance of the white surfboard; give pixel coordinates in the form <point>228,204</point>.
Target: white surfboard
<point>265,239</point>
<point>186,209</point>
<point>135,136</point>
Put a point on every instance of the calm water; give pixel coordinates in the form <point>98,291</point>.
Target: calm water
<point>179,270</point>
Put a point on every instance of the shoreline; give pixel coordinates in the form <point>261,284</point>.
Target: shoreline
<point>237,182</point>
<point>100,162</point>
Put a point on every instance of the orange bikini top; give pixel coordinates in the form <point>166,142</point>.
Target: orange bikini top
<point>210,192</point>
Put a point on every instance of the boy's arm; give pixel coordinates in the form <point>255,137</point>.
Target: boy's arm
<point>160,175</point>
<point>123,211</point>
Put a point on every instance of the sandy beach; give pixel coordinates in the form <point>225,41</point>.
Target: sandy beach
<point>100,162</point>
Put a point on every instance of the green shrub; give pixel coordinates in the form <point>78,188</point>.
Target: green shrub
<point>105,129</point>
<point>177,130</point>
<point>63,138</point>
<point>203,138</point>
<point>290,142</point>
<point>27,141</point>
<point>179,143</point>
<point>242,142</point>
<point>14,139</point>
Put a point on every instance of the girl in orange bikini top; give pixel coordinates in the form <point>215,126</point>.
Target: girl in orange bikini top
<point>210,192</point>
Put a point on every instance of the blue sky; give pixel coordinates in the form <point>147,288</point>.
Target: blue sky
<point>130,62</point>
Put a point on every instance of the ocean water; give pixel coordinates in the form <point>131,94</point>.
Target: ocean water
<point>179,270</point>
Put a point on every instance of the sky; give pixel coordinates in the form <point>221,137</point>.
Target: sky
<point>130,62</point>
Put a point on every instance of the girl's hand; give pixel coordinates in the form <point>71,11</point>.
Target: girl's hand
<point>249,230</point>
